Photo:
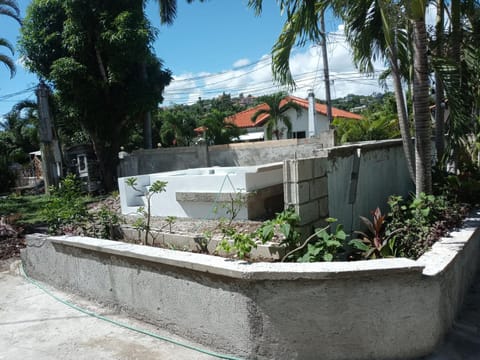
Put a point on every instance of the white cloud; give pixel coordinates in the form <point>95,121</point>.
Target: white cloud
<point>241,62</point>
<point>256,78</point>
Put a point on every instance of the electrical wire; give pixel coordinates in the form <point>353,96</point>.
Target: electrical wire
<point>126,326</point>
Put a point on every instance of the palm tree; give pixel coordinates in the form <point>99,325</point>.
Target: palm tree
<point>217,130</point>
<point>168,10</point>
<point>275,110</point>
<point>423,128</point>
<point>9,8</point>
<point>378,30</point>
<point>302,25</point>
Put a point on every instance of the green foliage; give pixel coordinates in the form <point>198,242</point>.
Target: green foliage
<point>379,122</point>
<point>7,178</point>
<point>284,223</point>
<point>29,207</point>
<point>9,8</point>
<point>97,55</point>
<point>327,246</point>
<point>143,223</point>
<point>19,134</point>
<point>66,208</point>
<point>352,101</point>
<point>170,220</point>
<point>107,220</point>
<point>234,205</point>
<point>416,224</point>
<point>240,244</point>
<point>175,126</point>
<point>277,122</point>
<point>217,131</point>
<point>376,244</point>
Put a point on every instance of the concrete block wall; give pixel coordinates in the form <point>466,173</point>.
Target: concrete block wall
<point>305,184</point>
<point>243,154</point>
<point>345,182</point>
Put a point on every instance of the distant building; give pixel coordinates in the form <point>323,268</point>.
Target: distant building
<point>300,123</point>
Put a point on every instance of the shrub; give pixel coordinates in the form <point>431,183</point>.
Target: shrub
<point>66,208</point>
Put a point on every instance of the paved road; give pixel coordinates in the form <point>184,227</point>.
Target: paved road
<point>33,325</point>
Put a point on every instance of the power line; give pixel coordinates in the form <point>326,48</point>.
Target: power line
<point>21,92</point>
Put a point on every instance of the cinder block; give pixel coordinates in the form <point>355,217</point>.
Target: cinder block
<point>298,170</point>
<point>304,169</point>
<point>319,188</point>
<point>288,165</point>
<point>288,193</point>
<point>303,192</point>
<point>308,212</point>
<point>320,167</point>
<point>323,210</point>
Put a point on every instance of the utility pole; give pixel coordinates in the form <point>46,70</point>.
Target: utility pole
<point>326,73</point>
<point>51,159</point>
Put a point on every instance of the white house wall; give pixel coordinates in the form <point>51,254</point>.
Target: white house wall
<point>299,122</point>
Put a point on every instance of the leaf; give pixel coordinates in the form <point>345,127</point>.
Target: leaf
<point>328,257</point>
<point>359,245</point>
<point>341,235</point>
<point>425,212</point>
<point>333,243</point>
<point>267,232</point>
<point>285,229</point>
<point>368,224</point>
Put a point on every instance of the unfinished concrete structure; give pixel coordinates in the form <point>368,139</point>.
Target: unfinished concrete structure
<point>141,162</point>
<point>251,191</point>
<point>342,182</point>
<point>341,310</point>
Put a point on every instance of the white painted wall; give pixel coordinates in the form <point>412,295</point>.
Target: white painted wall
<point>299,122</point>
<point>214,180</point>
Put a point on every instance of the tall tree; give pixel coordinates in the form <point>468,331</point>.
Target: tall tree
<point>9,8</point>
<point>275,110</point>
<point>168,10</point>
<point>177,127</point>
<point>92,52</point>
<point>302,25</point>
<point>377,30</point>
<point>421,84</point>
<point>217,131</point>
<point>20,131</point>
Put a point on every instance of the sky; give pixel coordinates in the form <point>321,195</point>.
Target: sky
<point>215,47</point>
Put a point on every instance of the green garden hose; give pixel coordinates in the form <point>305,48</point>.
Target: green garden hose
<point>144,332</point>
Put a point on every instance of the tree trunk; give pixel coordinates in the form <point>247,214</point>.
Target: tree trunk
<point>439,90</point>
<point>402,114</point>
<point>107,156</point>
<point>423,130</point>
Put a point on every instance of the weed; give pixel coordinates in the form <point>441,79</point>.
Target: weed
<point>144,224</point>
<point>327,246</point>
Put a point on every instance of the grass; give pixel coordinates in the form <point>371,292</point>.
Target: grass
<point>28,207</point>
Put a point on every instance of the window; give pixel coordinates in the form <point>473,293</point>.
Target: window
<point>299,135</point>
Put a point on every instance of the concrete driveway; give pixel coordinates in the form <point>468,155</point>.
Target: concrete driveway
<point>33,325</point>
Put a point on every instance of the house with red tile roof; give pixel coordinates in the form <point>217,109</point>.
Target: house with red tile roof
<point>299,120</point>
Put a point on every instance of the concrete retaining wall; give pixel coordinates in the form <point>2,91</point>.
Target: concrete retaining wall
<point>378,309</point>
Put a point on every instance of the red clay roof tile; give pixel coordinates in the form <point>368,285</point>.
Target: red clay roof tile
<point>243,119</point>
